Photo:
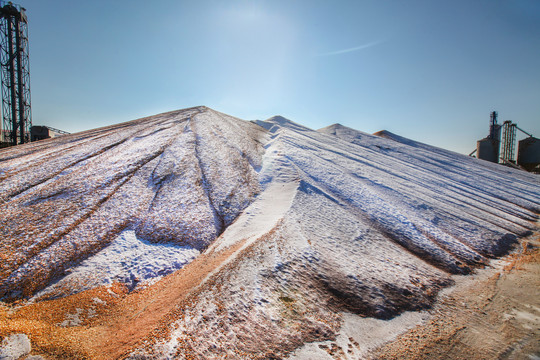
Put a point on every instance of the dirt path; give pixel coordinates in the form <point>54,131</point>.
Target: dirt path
<point>142,312</point>
<point>492,315</point>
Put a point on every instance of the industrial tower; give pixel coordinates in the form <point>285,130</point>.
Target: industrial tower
<point>508,142</point>
<point>15,74</point>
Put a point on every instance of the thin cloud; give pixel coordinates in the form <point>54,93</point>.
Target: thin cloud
<point>349,50</point>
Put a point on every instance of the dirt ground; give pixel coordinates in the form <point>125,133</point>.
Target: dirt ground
<point>494,314</point>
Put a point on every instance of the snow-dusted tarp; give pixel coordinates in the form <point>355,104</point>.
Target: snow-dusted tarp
<point>315,224</point>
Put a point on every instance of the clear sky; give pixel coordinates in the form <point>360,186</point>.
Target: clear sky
<point>428,70</point>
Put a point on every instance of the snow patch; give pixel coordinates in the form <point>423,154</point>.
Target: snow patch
<point>97,300</point>
<point>280,182</point>
<point>72,319</point>
<point>127,259</point>
<point>15,346</point>
<point>261,216</point>
<point>359,335</point>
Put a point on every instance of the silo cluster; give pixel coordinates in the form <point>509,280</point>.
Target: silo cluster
<point>491,148</point>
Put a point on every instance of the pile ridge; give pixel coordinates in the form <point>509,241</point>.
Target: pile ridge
<point>179,178</point>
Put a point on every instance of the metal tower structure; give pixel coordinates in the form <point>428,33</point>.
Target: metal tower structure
<point>508,142</point>
<point>494,128</point>
<point>15,74</point>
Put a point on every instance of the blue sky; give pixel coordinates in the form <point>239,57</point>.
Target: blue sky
<point>427,70</point>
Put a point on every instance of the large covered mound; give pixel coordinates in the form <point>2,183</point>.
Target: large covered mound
<point>179,178</point>
<point>296,229</point>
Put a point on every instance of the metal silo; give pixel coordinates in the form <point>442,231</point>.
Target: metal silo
<point>529,153</point>
<point>488,149</point>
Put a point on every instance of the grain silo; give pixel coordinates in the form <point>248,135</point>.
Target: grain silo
<point>529,154</point>
<point>488,148</point>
